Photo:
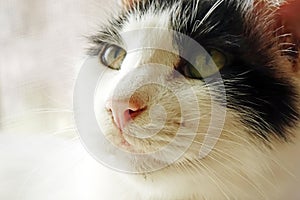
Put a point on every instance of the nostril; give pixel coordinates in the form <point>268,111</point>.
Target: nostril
<point>134,113</point>
<point>123,111</point>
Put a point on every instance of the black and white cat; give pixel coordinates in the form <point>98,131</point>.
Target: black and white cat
<point>248,81</point>
<point>202,98</point>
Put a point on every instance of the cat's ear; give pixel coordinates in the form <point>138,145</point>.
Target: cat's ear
<point>288,22</point>
<point>288,16</point>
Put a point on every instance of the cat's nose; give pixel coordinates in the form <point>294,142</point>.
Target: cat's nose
<point>124,111</point>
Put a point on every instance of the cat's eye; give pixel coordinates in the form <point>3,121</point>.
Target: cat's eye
<point>206,65</point>
<point>112,56</point>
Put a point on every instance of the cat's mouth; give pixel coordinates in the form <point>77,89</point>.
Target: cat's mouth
<point>128,141</point>
<point>121,139</point>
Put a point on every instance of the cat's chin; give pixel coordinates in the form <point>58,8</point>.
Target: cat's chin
<point>119,141</point>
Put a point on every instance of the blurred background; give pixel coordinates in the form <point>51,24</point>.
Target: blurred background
<point>41,42</point>
<point>41,46</point>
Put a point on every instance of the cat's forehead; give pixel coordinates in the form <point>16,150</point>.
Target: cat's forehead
<point>148,30</point>
<point>196,13</point>
<point>203,21</point>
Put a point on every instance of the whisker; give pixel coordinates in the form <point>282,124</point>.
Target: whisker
<point>221,153</point>
<point>208,14</point>
<point>213,179</point>
<point>238,174</point>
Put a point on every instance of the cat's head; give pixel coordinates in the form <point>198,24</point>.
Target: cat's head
<point>181,78</point>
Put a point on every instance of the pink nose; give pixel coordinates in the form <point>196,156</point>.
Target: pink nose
<point>124,111</point>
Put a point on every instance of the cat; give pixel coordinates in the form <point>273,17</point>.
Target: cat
<point>198,99</point>
<point>238,98</point>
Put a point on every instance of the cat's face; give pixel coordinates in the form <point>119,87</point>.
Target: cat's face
<point>160,93</point>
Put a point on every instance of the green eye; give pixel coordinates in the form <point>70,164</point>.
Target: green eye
<point>112,56</point>
<point>207,65</point>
